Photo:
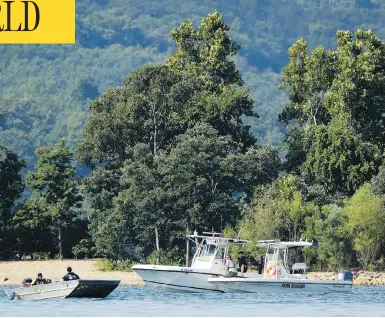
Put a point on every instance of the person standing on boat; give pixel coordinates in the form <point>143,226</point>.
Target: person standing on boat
<point>242,263</point>
<point>230,269</point>
<point>70,275</point>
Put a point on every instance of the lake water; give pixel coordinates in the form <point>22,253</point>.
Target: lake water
<point>141,301</point>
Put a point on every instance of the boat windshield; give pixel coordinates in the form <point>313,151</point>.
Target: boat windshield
<point>207,250</point>
<point>220,254</point>
<point>270,257</point>
<point>295,255</point>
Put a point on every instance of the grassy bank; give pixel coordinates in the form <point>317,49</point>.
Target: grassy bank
<point>13,273</point>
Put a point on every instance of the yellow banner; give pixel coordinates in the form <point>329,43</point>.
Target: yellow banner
<point>37,22</point>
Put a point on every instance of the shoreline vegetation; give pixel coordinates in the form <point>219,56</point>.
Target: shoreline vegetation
<point>13,272</point>
<point>171,150</point>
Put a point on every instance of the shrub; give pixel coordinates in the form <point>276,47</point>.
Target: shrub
<point>106,265</point>
<point>173,256</point>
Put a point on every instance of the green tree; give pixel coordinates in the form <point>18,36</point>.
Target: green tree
<point>32,228</point>
<point>335,249</point>
<point>378,182</point>
<point>148,109</point>
<point>112,235</point>
<point>199,177</point>
<point>55,185</point>
<point>365,222</point>
<point>278,211</point>
<point>11,187</point>
<point>204,170</point>
<point>99,190</point>
<point>345,82</point>
<point>205,53</point>
<point>338,159</point>
<point>131,126</point>
<point>143,199</point>
<point>336,98</point>
<point>192,186</point>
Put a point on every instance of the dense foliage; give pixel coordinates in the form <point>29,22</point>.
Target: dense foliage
<point>46,90</point>
<point>174,139</point>
<point>180,132</point>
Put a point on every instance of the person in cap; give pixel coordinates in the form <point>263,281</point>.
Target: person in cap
<point>70,275</point>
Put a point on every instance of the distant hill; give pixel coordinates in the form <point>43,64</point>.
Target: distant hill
<point>46,89</point>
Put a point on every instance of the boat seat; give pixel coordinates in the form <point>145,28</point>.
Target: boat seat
<point>298,268</point>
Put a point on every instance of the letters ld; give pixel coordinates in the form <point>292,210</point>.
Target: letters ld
<point>9,6</point>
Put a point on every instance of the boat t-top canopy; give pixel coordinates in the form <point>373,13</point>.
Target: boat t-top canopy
<point>217,239</point>
<point>283,245</point>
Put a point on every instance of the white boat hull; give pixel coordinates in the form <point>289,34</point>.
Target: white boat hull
<point>65,289</point>
<point>46,291</point>
<point>176,278</point>
<point>263,285</point>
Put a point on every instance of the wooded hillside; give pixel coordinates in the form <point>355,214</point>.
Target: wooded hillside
<point>46,90</point>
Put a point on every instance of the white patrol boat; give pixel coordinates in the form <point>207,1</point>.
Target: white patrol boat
<point>209,260</point>
<point>284,272</point>
<point>63,289</point>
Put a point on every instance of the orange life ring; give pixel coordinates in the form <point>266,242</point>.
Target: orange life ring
<point>270,272</point>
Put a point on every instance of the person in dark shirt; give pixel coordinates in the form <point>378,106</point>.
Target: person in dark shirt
<point>242,264</point>
<point>70,275</point>
<point>39,280</point>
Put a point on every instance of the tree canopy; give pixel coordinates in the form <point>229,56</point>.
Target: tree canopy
<point>169,139</point>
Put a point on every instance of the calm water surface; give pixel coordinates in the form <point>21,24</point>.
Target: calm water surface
<point>141,301</point>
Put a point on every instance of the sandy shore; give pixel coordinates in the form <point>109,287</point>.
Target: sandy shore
<point>13,273</point>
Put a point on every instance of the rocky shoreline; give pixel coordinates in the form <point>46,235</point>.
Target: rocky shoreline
<point>359,277</point>
<point>13,273</point>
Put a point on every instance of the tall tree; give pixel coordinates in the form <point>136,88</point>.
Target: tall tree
<point>204,170</point>
<point>11,187</point>
<point>149,108</point>
<point>348,81</point>
<point>130,126</point>
<point>196,182</point>
<point>205,53</point>
<point>278,211</point>
<point>337,98</point>
<point>335,247</point>
<point>366,221</point>
<point>32,228</point>
<point>142,199</point>
<point>338,159</point>
<point>55,185</point>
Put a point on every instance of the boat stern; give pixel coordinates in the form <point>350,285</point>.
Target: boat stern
<point>94,288</point>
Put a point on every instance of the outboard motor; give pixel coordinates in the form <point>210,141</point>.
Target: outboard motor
<point>345,275</point>
<point>27,282</point>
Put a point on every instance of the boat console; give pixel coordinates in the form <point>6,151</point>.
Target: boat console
<point>211,250</point>
<point>298,268</point>
<point>284,259</point>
